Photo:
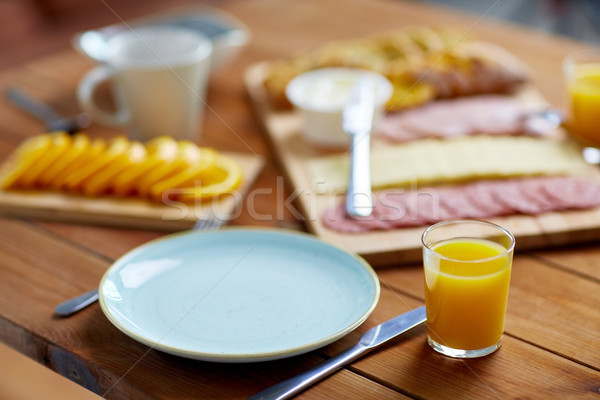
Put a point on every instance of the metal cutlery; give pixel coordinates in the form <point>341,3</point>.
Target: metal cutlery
<point>80,302</point>
<point>368,341</point>
<point>357,121</point>
<point>540,121</point>
<point>53,120</point>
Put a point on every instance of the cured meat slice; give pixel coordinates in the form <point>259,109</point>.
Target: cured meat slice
<point>338,219</point>
<point>533,190</point>
<point>394,123</point>
<point>424,207</point>
<point>565,192</point>
<point>393,208</point>
<point>483,199</point>
<point>458,205</point>
<point>487,114</point>
<point>480,194</point>
<point>511,194</point>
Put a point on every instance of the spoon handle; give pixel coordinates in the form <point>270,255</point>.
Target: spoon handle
<point>72,306</point>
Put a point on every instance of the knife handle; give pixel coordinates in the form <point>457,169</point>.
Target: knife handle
<point>359,201</point>
<point>292,386</point>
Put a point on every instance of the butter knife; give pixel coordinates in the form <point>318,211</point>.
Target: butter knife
<point>357,121</point>
<point>368,341</point>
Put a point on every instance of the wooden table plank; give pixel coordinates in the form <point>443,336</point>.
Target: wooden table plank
<point>553,308</point>
<point>551,346</point>
<point>517,367</point>
<point>584,260</point>
<point>100,355</point>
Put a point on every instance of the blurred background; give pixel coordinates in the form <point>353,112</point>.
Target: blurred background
<point>24,22</point>
<point>578,19</point>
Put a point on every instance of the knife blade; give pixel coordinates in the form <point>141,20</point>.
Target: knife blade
<point>368,341</point>
<point>42,111</point>
<point>357,121</point>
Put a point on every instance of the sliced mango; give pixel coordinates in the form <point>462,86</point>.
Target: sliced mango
<point>23,158</point>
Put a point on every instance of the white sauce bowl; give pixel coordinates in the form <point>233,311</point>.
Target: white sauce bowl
<point>321,94</point>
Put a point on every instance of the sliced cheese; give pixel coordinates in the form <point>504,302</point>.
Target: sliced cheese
<point>452,160</point>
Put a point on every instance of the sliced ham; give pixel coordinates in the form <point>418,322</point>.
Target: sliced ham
<point>484,114</point>
<point>394,209</point>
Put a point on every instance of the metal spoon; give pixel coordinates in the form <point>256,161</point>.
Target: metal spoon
<point>53,120</point>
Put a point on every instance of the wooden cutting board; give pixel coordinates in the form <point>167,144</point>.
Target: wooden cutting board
<point>401,245</point>
<point>130,213</point>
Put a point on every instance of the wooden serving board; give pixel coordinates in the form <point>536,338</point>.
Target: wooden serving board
<point>130,213</point>
<point>401,245</point>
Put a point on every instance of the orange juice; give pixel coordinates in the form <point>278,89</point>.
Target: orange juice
<point>583,87</point>
<point>466,289</point>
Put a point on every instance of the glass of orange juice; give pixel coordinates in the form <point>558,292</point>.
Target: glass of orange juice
<point>467,265</point>
<point>582,76</point>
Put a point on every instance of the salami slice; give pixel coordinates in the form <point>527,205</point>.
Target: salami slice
<point>480,194</point>
<point>533,190</point>
<point>395,209</point>
<point>338,219</point>
<point>483,199</point>
<point>512,196</point>
<point>458,204</point>
<point>574,193</point>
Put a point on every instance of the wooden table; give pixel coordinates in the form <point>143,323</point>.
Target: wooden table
<point>552,343</point>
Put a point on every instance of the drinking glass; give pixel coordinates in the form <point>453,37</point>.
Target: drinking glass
<point>582,77</point>
<point>467,266</point>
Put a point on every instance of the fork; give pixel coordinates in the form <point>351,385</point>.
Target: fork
<point>70,307</point>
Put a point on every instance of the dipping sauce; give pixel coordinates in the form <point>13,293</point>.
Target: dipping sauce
<point>320,96</point>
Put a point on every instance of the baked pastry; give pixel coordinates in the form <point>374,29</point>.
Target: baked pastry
<point>422,64</point>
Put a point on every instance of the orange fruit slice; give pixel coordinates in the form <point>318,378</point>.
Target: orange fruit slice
<point>61,141</point>
<point>187,154</point>
<point>224,179</point>
<point>91,152</point>
<point>23,158</point>
<point>101,181</point>
<point>187,176</point>
<point>116,147</point>
<point>160,151</point>
<point>80,143</point>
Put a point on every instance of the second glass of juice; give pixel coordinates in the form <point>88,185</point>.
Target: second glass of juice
<point>467,265</point>
<point>582,76</point>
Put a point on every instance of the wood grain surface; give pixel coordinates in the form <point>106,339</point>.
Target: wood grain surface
<point>552,343</point>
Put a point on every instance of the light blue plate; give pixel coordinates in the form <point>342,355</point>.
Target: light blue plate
<point>238,295</point>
